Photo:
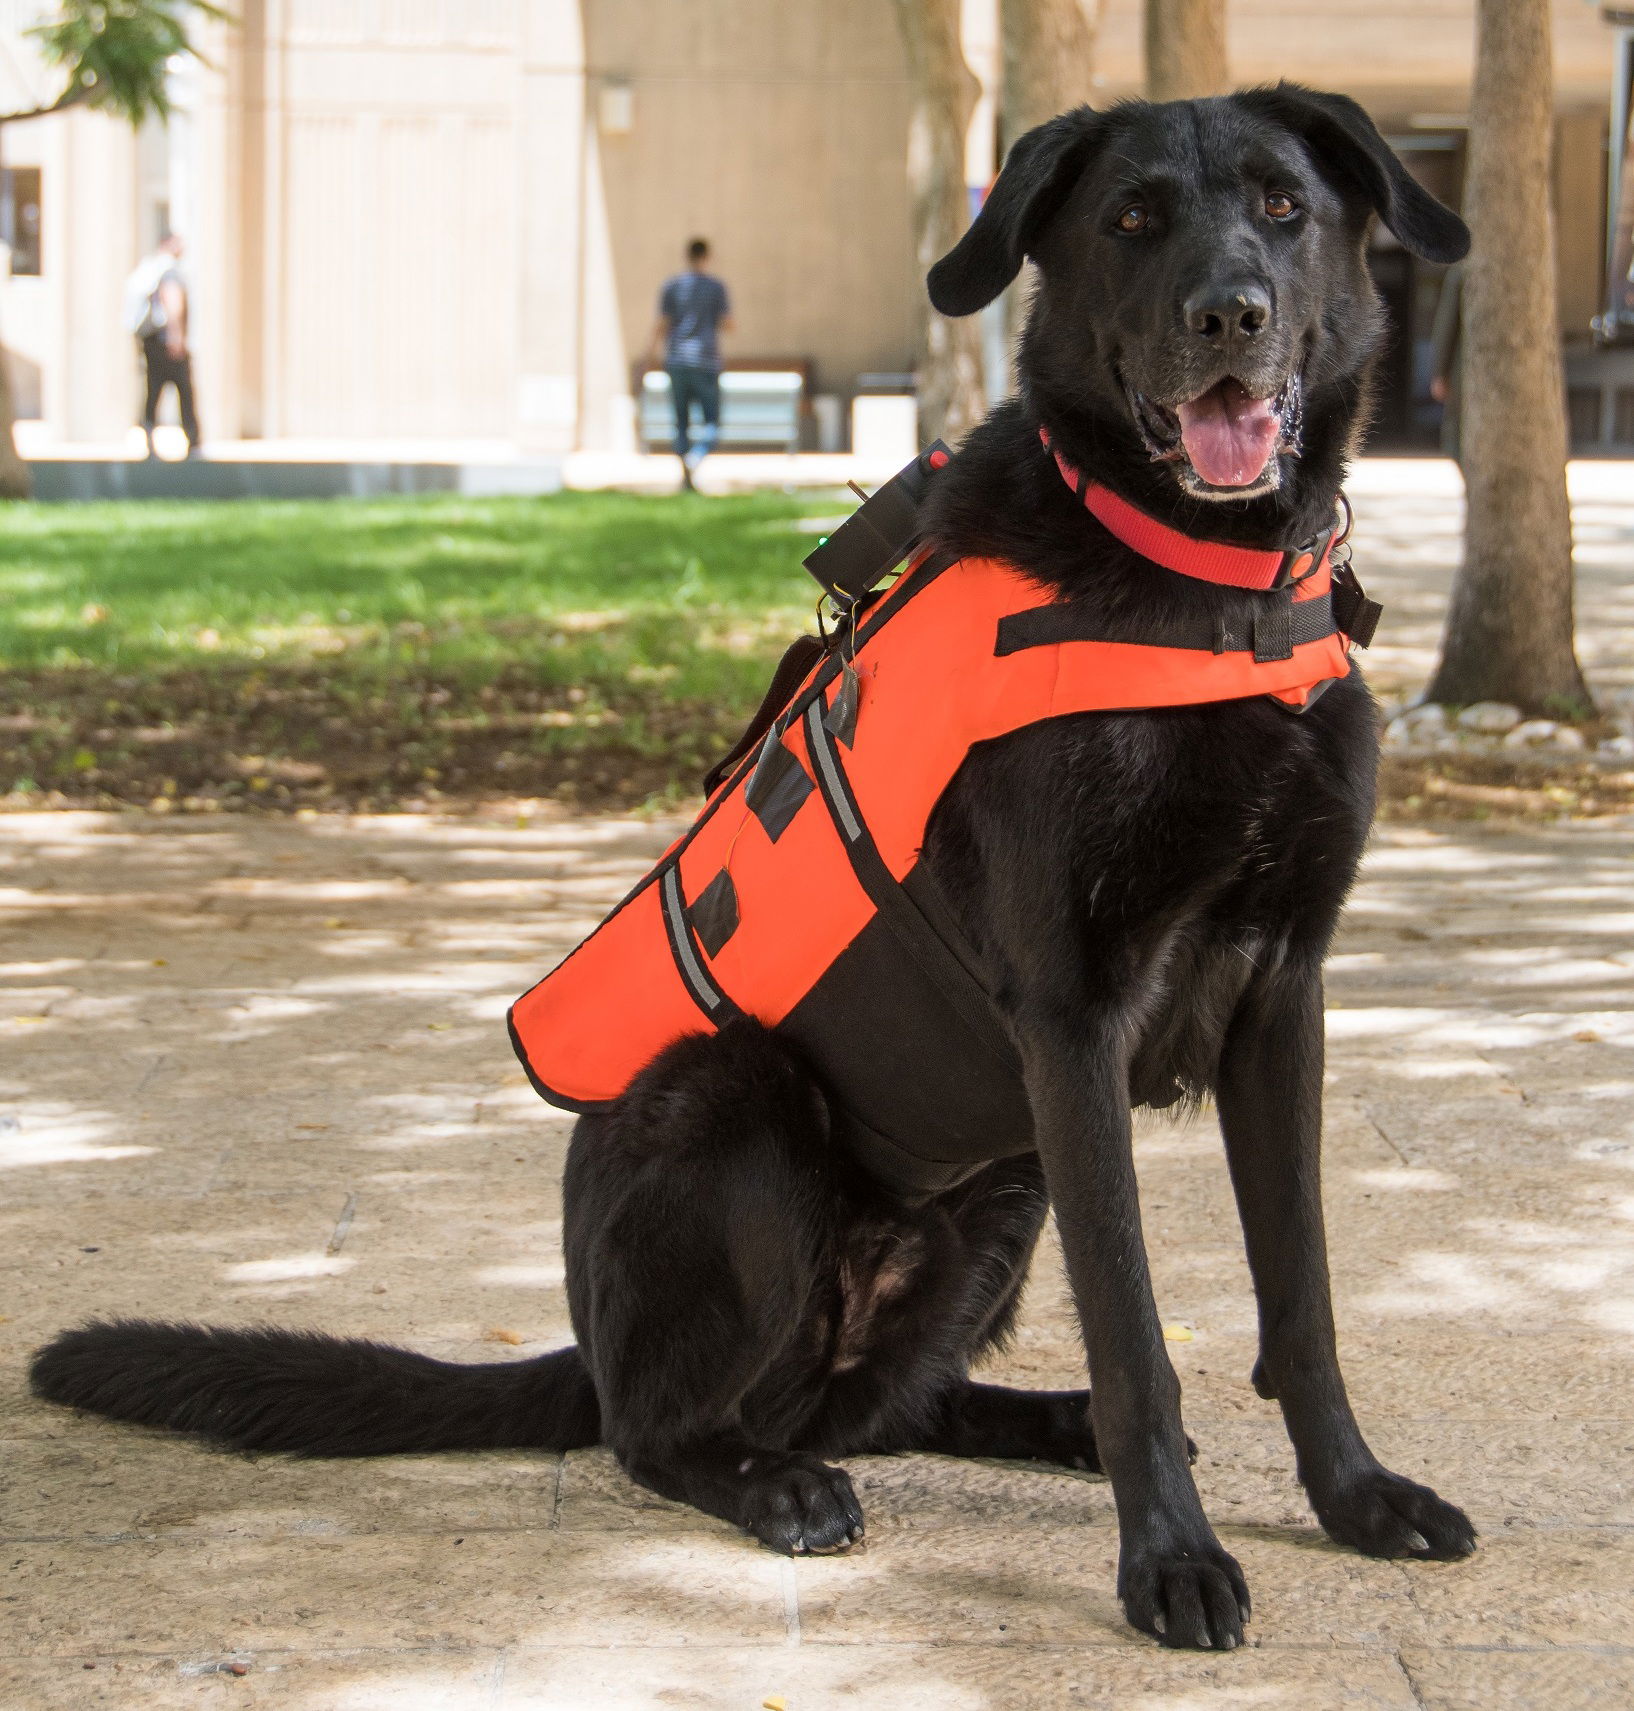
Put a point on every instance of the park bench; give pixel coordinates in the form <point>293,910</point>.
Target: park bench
<point>762,404</point>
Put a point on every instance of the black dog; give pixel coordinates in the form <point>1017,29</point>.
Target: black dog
<point>1152,896</point>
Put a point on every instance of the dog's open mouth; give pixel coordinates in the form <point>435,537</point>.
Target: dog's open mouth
<point>1226,440</point>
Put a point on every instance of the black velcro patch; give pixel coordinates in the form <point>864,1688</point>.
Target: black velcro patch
<point>780,784</point>
<point>714,913</point>
<point>842,714</point>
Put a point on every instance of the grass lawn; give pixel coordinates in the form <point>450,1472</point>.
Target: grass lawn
<point>602,649</point>
<point>599,647</point>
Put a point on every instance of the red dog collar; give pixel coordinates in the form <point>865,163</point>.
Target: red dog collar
<point>1210,561</point>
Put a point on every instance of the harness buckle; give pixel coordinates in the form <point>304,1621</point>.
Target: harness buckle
<point>1302,561</point>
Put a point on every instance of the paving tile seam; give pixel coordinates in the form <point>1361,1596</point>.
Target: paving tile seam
<point>1409,1588</point>
<point>475,1653</point>
<point>1135,1645</point>
<point>1395,1420</point>
<point>1407,1680</point>
<point>287,1538</point>
<point>1591,1648</point>
<point>1263,1531</point>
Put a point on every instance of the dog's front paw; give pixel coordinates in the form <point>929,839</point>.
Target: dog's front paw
<point>1382,1514</point>
<point>1185,1597</point>
<point>800,1506</point>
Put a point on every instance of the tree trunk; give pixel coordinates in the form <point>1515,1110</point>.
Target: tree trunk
<point>1049,67</point>
<point>1049,60</point>
<point>1185,49</point>
<point>16,480</point>
<point>952,398</point>
<point>1509,629</point>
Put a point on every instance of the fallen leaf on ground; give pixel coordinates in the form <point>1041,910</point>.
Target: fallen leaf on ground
<point>1177,1334</point>
<point>1587,1036</point>
<point>514,1338</point>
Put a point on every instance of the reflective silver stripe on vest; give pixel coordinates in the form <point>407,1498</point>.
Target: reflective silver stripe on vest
<point>818,742</point>
<point>680,933</point>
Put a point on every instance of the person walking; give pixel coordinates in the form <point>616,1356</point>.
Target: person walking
<point>156,312</point>
<point>693,310</point>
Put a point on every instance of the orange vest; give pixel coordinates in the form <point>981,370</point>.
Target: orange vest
<point>795,896</point>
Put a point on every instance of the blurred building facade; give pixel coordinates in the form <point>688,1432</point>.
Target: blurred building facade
<point>448,219</point>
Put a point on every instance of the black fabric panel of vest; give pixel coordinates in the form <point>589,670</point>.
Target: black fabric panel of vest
<point>921,1099</point>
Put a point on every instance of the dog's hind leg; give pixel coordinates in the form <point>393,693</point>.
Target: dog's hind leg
<point>1014,1425</point>
<point>946,1288</point>
<point>698,1224</point>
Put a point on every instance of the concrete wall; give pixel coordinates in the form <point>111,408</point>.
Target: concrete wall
<point>65,322</point>
<point>450,218</point>
<point>382,196</point>
<point>778,132</point>
<point>453,218</point>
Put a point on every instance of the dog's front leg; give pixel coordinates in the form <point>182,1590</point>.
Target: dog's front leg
<point>1270,1098</point>
<point>1174,1578</point>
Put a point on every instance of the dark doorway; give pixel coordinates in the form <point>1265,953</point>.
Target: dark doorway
<point>1394,427</point>
<point>1406,419</point>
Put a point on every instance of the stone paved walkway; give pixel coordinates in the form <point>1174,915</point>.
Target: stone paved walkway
<point>254,1070</point>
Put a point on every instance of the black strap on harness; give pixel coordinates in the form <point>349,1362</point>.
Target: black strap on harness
<point>792,670</point>
<point>1354,614</point>
<point>1278,626</point>
<point>850,563</point>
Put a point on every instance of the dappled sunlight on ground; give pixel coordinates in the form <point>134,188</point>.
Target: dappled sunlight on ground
<point>1408,540</point>
<point>255,1070</point>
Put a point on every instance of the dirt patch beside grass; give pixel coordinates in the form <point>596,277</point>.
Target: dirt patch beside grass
<point>1494,787</point>
<point>250,739</point>
<point>239,737</point>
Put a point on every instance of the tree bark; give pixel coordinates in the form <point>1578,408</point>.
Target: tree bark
<point>1049,60</point>
<point>1185,49</point>
<point>16,479</point>
<point>1509,628</point>
<point>1049,68</point>
<point>952,398</point>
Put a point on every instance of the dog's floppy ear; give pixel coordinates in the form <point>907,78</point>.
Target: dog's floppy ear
<point>1347,142</point>
<point>1038,172</point>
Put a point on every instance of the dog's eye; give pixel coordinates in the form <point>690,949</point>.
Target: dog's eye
<point>1134,218</point>
<point>1280,206</point>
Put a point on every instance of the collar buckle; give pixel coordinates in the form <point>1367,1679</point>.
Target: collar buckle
<point>1302,561</point>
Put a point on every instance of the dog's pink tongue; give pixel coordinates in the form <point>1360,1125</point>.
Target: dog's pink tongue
<point>1228,435</point>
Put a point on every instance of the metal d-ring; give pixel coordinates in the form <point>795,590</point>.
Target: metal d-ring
<point>1342,538</point>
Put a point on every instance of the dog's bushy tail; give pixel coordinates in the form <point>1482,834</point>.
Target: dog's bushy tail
<point>266,1389</point>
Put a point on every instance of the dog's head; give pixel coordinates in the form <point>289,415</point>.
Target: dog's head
<point>1201,269</point>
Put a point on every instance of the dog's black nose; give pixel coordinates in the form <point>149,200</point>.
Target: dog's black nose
<point>1227,314</point>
